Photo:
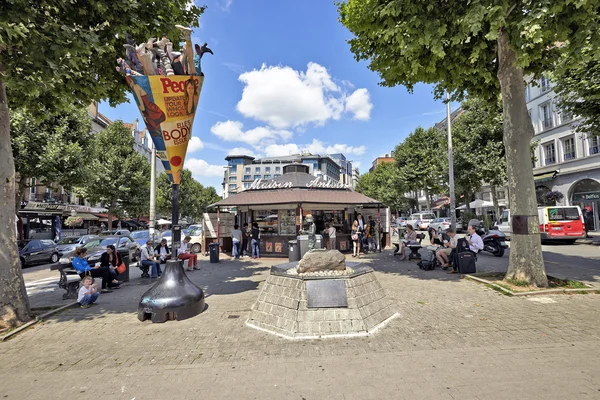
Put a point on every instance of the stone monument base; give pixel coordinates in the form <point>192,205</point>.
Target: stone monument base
<point>310,307</point>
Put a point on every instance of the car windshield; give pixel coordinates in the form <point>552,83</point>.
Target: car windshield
<point>108,241</point>
<point>196,232</point>
<point>93,243</point>
<point>140,234</point>
<point>69,240</point>
<point>22,244</point>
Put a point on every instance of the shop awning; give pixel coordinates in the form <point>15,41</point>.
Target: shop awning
<point>297,196</point>
<point>87,216</point>
<point>545,177</point>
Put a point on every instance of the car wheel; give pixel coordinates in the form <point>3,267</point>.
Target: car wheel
<point>54,258</point>
<point>196,248</point>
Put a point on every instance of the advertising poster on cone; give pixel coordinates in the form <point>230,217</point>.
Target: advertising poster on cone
<point>168,105</point>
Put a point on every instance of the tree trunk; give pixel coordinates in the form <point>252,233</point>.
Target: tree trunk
<point>14,304</point>
<point>468,202</point>
<point>495,201</point>
<point>526,259</point>
<point>109,215</point>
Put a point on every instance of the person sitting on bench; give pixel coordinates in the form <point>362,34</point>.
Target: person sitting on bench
<point>410,237</point>
<point>475,245</point>
<point>83,269</point>
<point>448,240</point>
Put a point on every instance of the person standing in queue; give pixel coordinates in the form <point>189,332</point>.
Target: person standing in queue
<point>255,240</point>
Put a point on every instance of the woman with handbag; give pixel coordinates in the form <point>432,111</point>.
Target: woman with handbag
<point>112,260</point>
<point>83,269</point>
<point>355,236</point>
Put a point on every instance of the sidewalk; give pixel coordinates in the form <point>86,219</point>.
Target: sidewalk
<point>454,339</point>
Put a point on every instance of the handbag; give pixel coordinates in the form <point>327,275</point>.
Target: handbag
<point>121,267</point>
<point>354,236</point>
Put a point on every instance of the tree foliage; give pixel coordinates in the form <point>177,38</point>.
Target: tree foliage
<point>119,176</point>
<point>422,161</point>
<point>384,184</point>
<point>193,197</point>
<point>52,149</point>
<point>57,52</point>
<point>481,48</point>
<point>578,90</point>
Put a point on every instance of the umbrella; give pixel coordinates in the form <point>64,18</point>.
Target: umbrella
<point>163,222</point>
<point>478,203</point>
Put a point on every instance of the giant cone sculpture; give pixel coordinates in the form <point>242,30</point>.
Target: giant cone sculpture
<point>174,297</point>
<point>168,105</point>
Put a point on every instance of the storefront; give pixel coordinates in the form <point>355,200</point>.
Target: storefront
<point>279,206</point>
<point>586,194</point>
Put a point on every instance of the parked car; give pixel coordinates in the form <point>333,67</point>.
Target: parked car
<point>141,237</point>
<point>420,221</point>
<point>71,243</point>
<point>167,235</point>
<point>401,222</point>
<point>38,251</point>
<point>196,242</point>
<point>116,232</point>
<point>442,225</point>
<point>97,246</point>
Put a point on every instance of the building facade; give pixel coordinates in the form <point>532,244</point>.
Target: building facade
<point>345,168</point>
<point>242,170</point>
<point>381,160</point>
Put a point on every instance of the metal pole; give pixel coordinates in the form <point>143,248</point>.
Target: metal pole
<point>152,192</point>
<point>450,165</point>
<point>175,228</point>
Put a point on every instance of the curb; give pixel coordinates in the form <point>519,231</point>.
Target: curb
<point>35,321</point>
<point>539,292</point>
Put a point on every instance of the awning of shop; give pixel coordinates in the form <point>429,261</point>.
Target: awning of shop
<point>545,177</point>
<point>87,216</point>
<point>440,203</point>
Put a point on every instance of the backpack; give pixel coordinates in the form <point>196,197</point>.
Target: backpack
<point>426,265</point>
<point>462,245</point>
<point>426,254</point>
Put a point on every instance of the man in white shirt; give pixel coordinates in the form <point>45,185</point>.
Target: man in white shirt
<point>474,240</point>
<point>236,237</point>
<point>147,259</point>
<point>331,232</point>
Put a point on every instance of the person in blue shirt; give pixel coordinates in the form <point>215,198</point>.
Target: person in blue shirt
<point>83,268</point>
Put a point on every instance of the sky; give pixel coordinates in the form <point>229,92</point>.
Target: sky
<point>283,80</point>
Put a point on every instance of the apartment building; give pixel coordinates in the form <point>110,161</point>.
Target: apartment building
<point>380,160</point>
<point>345,168</point>
<point>242,170</point>
<point>567,161</point>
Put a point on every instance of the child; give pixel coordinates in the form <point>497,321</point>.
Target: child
<point>88,293</point>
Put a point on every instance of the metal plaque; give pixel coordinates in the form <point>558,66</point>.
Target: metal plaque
<point>326,293</point>
<point>520,225</point>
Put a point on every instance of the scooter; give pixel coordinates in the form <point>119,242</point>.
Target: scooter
<point>494,241</point>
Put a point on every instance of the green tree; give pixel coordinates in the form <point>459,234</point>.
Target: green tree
<point>384,184</point>
<point>118,174</point>
<point>483,48</point>
<point>422,162</point>
<point>54,53</point>
<point>54,149</point>
<point>193,197</point>
<point>578,90</point>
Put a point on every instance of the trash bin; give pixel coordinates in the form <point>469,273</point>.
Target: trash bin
<point>214,252</point>
<point>302,245</point>
<point>319,241</point>
<point>124,277</point>
<point>294,254</point>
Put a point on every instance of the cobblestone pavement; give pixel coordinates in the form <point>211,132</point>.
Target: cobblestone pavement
<point>454,339</point>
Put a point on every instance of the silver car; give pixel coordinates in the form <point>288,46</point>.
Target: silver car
<point>68,244</point>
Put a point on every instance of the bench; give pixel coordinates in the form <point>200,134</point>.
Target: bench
<point>414,248</point>
<point>69,280</point>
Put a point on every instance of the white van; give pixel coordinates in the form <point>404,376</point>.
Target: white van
<point>420,220</point>
<point>564,223</point>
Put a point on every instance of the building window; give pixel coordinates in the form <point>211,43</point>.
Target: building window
<point>501,195</point>
<point>527,93</point>
<point>257,170</point>
<point>247,170</point>
<point>247,185</point>
<point>32,189</point>
<point>247,177</point>
<point>267,176</point>
<point>545,84</point>
<point>276,175</point>
<point>233,169</point>
<point>256,177</point>
<point>569,148</point>
<point>594,144</point>
<point>546,111</point>
<point>565,117</point>
<point>232,186</point>
<point>277,169</point>
<point>487,196</point>
<point>267,170</point>
<point>550,153</point>
<point>233,179</point>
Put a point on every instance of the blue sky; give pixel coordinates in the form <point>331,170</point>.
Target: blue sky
<point>283,79</point>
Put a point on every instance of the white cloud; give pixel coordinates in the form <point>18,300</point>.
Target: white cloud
<point>202,168</point>
<point>356,164</point>
<point>359,104</point>
<point>232,131</point>
<point>195,144</point>
<point>276,150</point>
<point>285,98</point>
<point>315,147</point>
<point>226,5</point>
